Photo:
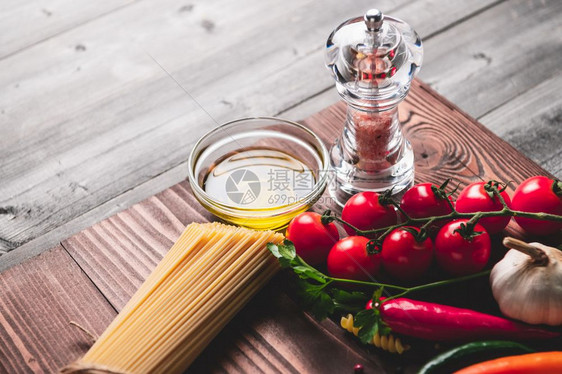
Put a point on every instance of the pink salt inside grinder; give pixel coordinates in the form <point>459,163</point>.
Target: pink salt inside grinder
<point>373,60</point>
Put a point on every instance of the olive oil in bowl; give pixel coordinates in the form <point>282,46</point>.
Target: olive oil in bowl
<point>258,172</point>
<point>259,178</point>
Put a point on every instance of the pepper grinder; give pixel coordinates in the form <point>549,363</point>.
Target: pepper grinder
<point>373,60</point>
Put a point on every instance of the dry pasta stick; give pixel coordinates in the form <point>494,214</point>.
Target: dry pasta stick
<point>208,275</point>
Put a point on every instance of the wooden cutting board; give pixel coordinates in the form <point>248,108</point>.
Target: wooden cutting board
<point>89,277</point>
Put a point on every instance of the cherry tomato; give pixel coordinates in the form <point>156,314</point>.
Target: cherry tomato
<point>538,194</point>
<point>403,256</point>
<point>312,239</point>
<point>349,259</point>
<point>458,255</point>
<point>420,201</point>
<point>475,198</point>
<point>364,211</point>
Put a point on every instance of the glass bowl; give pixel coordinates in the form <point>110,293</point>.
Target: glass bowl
<point>258,172</point>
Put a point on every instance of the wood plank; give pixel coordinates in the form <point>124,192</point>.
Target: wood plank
<point>121,251</point>
<point>496,55</point>
<point>443,145</point>
<point>132,242</point>
<point>101,212</point>
<point>447,143</point>
<point>38,299</point>
<point>25,23</point>
<point>532,124</point>
<point>134,113</point>
<point>523,114</point>
<point>436,126</point>
<point>118,253</point>
<point>272,335</point>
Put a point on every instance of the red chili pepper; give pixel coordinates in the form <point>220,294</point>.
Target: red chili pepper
<point>446,323</point>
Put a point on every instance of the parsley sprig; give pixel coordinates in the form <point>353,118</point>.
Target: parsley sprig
<point>321,295</point>
<point>315,289</point>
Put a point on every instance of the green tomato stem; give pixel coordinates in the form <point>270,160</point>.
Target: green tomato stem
<point>451,205</point>
<point>405,290</point>
<point>399,208</point>
<point>359,232</point>
<point>438,284</point>
<point>456,215</point>
<point>473,217</point>
<point>366,283</point>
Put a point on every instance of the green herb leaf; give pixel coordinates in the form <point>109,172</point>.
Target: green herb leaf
<point>384,329</point>
<point>274,249</point>
<point>306,272</point>
<point>377,294</point>
<point>280,252</point>
<point>323,307</point>
<point>367,321</point>
<point>349,297</point>
<point>349,301</point>
<point>288,250</point>
<point>370,321</point>
<point>285,253</point>
<point>316,299</point>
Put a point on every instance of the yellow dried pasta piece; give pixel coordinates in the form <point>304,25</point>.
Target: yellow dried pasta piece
<point>389,342</point>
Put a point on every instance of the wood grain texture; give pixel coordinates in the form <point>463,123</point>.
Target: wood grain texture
<point>532,123</point>
<point>132,242</point>
<point>102,211</point>
<point>272,335</point>
<point>496,55</point>
<point>90,124</point>
<point>104,119</point>
<point>118,253</point>
<point>447,143</point>
<point>25,23</point>
<point>450,144</point>
<point>38,299</point>
<point>133,112</point>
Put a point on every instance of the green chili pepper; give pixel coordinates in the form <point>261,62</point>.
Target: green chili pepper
<point>496,347</point>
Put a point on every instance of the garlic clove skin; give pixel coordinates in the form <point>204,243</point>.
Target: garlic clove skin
<point>528,291</point>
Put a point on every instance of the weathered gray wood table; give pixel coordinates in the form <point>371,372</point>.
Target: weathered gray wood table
<point>90,123</point>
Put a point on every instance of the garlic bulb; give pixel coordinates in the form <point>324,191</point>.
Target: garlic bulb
<point>527,283</point>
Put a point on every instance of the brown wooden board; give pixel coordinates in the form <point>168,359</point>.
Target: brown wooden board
<point>38,300</point>
<point>272,334</point>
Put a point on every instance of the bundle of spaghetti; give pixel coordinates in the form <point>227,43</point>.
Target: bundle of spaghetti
<point>203,281</point>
